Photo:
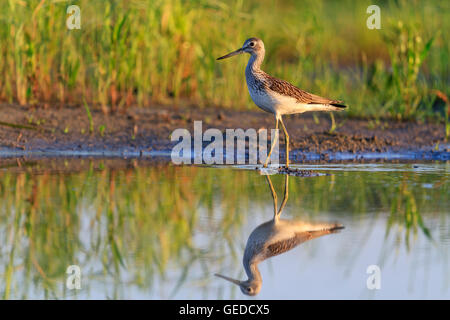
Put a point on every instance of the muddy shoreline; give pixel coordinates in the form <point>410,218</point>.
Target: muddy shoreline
<point>144,132</point>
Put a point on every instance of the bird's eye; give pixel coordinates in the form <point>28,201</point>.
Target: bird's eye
<point>249,289</point>
<point>252,44</point>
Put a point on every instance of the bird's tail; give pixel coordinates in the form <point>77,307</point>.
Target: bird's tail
<point>328,229</point>
<point>339,106</point>
<point>323,228</point>
<point>336,227</point>
<point>326,107</point>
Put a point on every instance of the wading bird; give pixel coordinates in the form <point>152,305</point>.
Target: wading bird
<point>278,96</point>
<point>275,237</point>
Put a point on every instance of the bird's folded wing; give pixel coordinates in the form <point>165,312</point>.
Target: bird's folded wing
<point>284,245</point>
<point>287,89</point>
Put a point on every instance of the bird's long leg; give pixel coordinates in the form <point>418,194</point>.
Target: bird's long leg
<point>274,196</point>
<point>287,142</point>
<point>274,140</point>
<point>286,195</point>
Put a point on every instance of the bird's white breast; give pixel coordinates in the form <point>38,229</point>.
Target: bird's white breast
<point>262,99</point>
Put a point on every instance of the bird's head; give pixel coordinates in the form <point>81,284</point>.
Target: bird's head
<point>250,288</point>
<point>254,46</point>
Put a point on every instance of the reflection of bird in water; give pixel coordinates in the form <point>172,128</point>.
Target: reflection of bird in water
<point>275,237</point>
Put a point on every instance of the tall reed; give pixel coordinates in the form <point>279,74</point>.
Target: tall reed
<point>150,52</point>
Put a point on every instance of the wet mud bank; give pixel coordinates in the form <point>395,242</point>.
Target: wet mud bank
<point>146,133</point>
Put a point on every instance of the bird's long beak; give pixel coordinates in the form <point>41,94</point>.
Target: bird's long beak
<point>231,54</point>
<point>228,279</point>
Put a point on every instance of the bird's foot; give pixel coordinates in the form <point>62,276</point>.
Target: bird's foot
<point>297,172</point>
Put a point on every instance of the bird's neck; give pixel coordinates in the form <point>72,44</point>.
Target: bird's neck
<point>252,271</point>
<point>255,61</point>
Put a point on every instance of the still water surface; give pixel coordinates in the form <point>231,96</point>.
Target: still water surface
<point>157,231</point>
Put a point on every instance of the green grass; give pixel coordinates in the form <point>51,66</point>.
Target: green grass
<point>150,52</point>
<point>89,115</point>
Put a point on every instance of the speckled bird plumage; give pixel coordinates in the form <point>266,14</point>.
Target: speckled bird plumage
<point>277,96</point>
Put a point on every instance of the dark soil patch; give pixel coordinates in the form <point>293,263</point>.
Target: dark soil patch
<point>150,128</point>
